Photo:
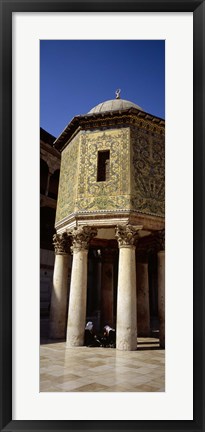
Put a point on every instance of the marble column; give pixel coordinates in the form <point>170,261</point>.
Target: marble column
<point>127,236</point>
<point>107,290</point>
<point>161,289</point>
<point>58,309</point>
<point>98,282</point>
<point>143,309</point>
<point>78,288</point>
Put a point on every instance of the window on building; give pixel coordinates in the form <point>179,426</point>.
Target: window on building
<point>103,171</point>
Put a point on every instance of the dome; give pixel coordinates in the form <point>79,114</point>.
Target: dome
<point>114,105</point>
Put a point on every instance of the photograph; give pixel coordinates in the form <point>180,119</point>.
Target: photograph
<point>102,221</point>
<point>102,216</point>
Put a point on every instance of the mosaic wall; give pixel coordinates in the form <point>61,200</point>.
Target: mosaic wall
<point>68,180</point>
<point>137,160</point>
<point>113,193</point>
<point>148,172</point>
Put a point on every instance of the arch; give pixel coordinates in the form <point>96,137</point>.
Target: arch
<point>53,185</point>
<point>43,176</point>
<point>47,229</point>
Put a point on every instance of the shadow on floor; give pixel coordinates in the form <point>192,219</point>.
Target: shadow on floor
<point>51,341</point>
<point>141,345</point>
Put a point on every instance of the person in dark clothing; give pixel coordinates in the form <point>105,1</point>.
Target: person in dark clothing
<point>91,339</point>
<point>109,337</point>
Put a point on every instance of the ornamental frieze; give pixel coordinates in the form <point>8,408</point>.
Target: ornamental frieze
<point>105,202</point>
<point>124,120</point>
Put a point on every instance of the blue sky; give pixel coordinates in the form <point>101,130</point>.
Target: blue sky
<point>77,75</point>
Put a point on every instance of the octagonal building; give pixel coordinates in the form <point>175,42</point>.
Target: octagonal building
<point>110,216</point>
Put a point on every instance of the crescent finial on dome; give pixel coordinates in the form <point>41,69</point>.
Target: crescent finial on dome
<point>118,91</point>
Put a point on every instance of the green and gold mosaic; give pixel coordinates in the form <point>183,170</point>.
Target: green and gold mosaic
<point>148,172</point>
<point>136,181</point>
<point>67,191</point>
<point>115,192</point>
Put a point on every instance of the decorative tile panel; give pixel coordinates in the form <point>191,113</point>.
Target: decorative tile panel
<point>68,180</point>
<point>148,172</point>
<point>115,192</point>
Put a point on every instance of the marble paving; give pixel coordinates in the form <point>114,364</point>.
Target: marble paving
<point>85,369</point>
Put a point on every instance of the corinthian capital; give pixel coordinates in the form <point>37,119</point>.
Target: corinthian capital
<point>61,243</point>
<point>81,237</point>
<point>127,235</point>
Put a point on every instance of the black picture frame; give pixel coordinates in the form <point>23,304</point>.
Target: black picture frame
<point>7,8</point>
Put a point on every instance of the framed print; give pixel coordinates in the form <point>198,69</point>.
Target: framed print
<point>48,50</point>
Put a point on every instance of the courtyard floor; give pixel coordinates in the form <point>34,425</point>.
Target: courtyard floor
<point>85,369</point>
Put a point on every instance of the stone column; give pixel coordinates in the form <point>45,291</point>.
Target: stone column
<point>78,288</point>
<point>107,290</point>
<point>161,288</point>
<point>58,309</point>
<point>98,276</point>
<point>143,310</point>
<point>126,296</point>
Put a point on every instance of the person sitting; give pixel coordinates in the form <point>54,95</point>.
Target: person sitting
<point>109,337</point>
<point>90,338</point>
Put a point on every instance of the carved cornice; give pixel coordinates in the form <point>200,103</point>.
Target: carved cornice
<point>81,237</point>
<point>61,244</point>
<point>119,118</point>
<point>111,218</point>
<point>127,235</point>
<point>124,120</point>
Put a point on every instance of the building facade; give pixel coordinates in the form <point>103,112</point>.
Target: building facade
<point>49,180</point>
<point>110,225</point>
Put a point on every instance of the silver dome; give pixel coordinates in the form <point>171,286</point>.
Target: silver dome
<point>113,105</point>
